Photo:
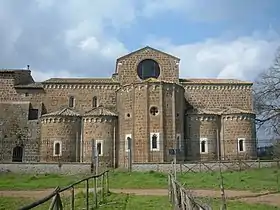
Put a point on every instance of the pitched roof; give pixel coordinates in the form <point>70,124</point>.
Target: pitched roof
<point>79,80</point>
<point>34,85</point>
<point>147,48</point>
<point>100,111</point>
<point>220,111</point>
<point>13,70</point>
<point>213,81</point>
<point>64,112</point>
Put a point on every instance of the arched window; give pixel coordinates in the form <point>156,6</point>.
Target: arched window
<point>178,141</point>
<point>17,154</point>
<point>203,146</point>
<point>99,147</point>
<point>241,145</point>
<point>128,143</point>
<point>71,101</point>
<point>57,148</point>
<point>154,142</point>
<point>94,102</point>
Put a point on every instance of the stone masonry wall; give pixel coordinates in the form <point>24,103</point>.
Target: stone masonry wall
<point>46,168</point>
<point>57,96</point>
<point>127,66</point>
<point>17,130</point>
<point>100,129</point>
<point>234,127</point>
<point>219,96</point>
<point>64,129</point>
<point>202,126</point>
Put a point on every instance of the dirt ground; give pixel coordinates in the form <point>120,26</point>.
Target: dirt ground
<point>245,196</point>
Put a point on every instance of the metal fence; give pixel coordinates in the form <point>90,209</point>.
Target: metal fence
<point>76,196</point>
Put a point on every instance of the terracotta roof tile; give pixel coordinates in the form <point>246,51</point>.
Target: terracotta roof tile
<point>100,111</point>
<point>213,81</point>
<point>220,111</point>
<point>31,85</point>
<point>63,112</point>
<point>80,80</point>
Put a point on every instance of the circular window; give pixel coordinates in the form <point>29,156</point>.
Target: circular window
<point>154,111</point>
<point>148,69</point>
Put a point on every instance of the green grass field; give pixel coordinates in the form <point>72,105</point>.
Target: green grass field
<point>254,180</point>
<point>124,201</point>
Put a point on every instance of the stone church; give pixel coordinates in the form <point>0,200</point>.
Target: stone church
<point>139,115</point>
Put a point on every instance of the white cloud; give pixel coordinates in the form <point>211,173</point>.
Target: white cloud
<point>241,58</point>
<point>204,10</point>
<point>79,38</point>
<point>76,36</point>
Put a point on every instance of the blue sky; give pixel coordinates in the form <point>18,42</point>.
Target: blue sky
<point>74,38</point>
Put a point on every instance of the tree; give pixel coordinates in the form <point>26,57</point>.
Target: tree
<point>267,98</point>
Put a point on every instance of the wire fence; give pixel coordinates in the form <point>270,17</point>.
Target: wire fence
<point>200,149</point>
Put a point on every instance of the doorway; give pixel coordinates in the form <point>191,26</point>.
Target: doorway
<point>17,154</point>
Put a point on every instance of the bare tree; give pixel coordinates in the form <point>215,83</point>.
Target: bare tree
<point>267,98</point>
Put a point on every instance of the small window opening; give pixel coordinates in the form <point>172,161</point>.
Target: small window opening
<point>241,145</point>
<point>94,102</point>
<point>203,146</point>
<point>154,141</point>
<point>71,101</point>
<point>57,148</point>
<point>154,111</point>
<point>99,148</point>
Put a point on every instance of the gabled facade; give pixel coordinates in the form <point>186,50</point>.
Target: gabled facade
<point>136,116</point>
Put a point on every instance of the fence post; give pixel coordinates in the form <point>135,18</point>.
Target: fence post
<point>95,192</point>
<point>87,186</point>
<point>107,182</point>
<point>72,198</point>
<point>169,189</point>
<point>103,185</point>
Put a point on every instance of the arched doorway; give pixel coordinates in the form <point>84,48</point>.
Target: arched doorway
<point>17,154</point>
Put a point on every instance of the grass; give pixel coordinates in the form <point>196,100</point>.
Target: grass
<point>9,181</point>
<point>124,201</point>
<point>254,180</point>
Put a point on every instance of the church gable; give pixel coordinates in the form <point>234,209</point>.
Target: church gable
<point>66,112</point>
<point>147,63</point>
<point>147,50</point>
<point>100,111</point>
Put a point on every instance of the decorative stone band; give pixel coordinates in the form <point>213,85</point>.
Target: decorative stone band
<point>152,86</point>
<point>81,86</point>
<point>101,119</point>
<point>218,87</point>
<point>46,120</point>
<point>248,117</point>
<point>203,118</point>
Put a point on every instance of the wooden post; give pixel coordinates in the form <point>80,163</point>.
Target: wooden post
<point>107,182</point>
<point>72,198</point>
<point>103,186</point>
<point>87,194</point>
<point>169,189</point>
<point>95,192</point>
